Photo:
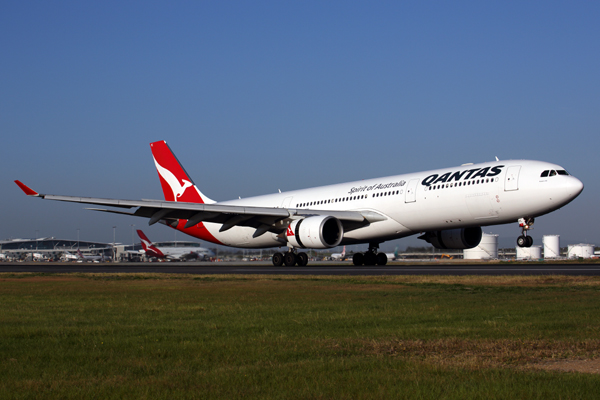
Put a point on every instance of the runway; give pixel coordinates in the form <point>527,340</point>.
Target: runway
<point>325,268</point>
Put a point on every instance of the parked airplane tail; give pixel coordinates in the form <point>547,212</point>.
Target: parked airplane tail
<point>149,248</point>
<point>175,181</point>
<point>145,241</point>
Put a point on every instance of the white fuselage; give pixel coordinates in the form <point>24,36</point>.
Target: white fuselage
<point>465,196</point>
<point>182,250</point>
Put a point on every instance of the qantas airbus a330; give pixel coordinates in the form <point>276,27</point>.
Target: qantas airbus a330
<point>447,206</point>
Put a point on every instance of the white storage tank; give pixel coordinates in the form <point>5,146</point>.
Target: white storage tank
<point>580,251</point>
<point>529,253</point>
<point>487,249</point>
<point>551,246</point>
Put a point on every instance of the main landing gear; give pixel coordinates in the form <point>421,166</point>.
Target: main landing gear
<point>290,258</point>
<point>371,257</point>
<point>525,224</point>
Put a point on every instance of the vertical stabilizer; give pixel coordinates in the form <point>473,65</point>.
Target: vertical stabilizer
<point>149,248</point>
<point>175,181</point>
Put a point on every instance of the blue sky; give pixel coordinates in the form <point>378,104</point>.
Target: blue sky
<point>259,96</point>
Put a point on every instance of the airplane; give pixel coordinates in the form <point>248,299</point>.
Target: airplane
<point>90,258</point>
<point>392,256</point>
<point>339,256</point>
<point>174,250</point>
<point>66,256</point>
<point>39,256</point>
<point>447,207</point>
<point>3,257</point>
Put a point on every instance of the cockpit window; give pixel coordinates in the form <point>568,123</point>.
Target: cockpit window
<point>553,173</point>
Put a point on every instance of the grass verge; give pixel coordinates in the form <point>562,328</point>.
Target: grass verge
<point>166,336</point>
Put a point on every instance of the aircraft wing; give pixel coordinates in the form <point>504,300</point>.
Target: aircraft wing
<point>264,219</point>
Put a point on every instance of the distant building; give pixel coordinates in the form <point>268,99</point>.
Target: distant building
<point>52,248</point>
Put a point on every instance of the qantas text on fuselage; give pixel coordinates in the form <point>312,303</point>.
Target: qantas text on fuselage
<point>463,175</point>
<point>447,207</point>
<point>435,179</point>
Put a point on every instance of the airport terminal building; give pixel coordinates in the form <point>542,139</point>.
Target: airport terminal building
<point>52,248</point>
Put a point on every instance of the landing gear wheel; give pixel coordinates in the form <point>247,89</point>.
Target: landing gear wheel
<point>524,240</point>
<point>278,259</point>
<point>358,259</point>
<point>302,259</point>
<point>381,259</point>
<point>370,258</point>
<point>528,241</point>
<point>289,259</point>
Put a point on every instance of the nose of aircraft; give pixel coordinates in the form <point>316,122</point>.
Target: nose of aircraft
<point>565,189</point>
<point>569,188</point>
<point>575,186</point>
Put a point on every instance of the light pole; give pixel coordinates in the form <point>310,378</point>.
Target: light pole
<point>132,239</point>
<point>114,240</point>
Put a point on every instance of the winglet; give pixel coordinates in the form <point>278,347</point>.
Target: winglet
<point>28,191</point>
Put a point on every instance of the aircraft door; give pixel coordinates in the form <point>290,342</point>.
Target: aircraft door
<point>411,191</point>
<point>511,181</point>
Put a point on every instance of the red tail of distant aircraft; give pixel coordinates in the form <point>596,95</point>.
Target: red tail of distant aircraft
<point>149,248</point>
<point>176,250</point>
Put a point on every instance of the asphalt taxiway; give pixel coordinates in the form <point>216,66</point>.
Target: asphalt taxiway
<point>324,268</point>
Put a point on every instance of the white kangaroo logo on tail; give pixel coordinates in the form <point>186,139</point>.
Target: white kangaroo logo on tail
<point>172,180</point>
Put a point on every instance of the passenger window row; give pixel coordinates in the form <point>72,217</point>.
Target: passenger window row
<point>457,184</point>
<point>344,199</point>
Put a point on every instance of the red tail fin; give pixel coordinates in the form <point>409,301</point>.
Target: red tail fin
<point>145,241</point>
<point>148,247</point>
<point>175,182</point>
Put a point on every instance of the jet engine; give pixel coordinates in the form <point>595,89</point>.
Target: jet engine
<point>462,238</point>
<point>317,232</point>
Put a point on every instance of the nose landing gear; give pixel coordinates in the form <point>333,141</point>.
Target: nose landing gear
<point>525,224</point>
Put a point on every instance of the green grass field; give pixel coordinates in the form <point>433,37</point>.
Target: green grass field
<point>263,337</point>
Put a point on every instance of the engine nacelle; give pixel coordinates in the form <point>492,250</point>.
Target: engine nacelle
<point>318,232</point>
<point>462,238</point>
